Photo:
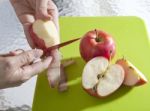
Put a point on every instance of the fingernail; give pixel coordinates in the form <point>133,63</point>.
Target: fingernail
<point>19,51</point>
<point>38,53</point>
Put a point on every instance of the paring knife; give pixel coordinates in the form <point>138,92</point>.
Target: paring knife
<point>62,44</point>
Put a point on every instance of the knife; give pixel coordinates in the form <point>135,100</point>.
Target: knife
<point>62,44</point>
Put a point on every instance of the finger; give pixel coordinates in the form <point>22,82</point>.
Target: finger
<point>54,69</point>
<point>24,11</point>
<point>5,55</point>
<point>27,57</point>
<point>12,53</point>
<point>16,52</point>
<point>36,68</point>
<point>26,14</point>
<point>29,39</point>
<point>53,11</point>
<point>41,10</point>
<point>62,86</point>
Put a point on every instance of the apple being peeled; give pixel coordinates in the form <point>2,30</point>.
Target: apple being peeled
<point>132,75</point>
<point>101,79</point>
<point>44,34</point>
<point>97,43</point>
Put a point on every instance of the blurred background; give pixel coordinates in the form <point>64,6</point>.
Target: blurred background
<point>12,36</point>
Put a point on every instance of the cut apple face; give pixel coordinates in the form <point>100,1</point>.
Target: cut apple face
<point>101,79</point>
<point>132,75</point>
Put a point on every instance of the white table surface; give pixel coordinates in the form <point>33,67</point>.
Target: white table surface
<point>12,36</point>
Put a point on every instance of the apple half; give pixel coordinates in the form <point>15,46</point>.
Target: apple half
<point>133,76</point>
<point>44,34</point>
<point>101,79</point>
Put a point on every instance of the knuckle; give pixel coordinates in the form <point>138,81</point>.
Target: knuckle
<point>9,63</point>
<point>28,57</point>
<point>42,10</point>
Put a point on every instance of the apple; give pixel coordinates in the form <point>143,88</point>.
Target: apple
<point>44,34</point>
<point>97,43</point>
<point>133,76</point>
<point>101,79</point>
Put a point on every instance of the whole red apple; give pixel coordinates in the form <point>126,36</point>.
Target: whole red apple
<point>97,43</point>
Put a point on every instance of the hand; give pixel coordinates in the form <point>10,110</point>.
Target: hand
<point>30,10</point>
<point>17,67</point>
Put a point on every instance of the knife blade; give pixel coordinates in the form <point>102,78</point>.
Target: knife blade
<point>62,44</point>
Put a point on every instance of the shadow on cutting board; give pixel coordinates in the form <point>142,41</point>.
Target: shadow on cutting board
<point>75,98</point>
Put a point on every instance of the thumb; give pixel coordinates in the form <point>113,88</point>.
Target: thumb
<point>42,10</point>
<point>27,57</point>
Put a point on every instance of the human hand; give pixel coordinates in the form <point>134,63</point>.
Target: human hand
<point>30,10</point>
<point>18,66</point>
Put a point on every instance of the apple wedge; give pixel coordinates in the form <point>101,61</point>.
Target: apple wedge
<point>101,79</point>
<point>133,76</point>
<point>44,34</point>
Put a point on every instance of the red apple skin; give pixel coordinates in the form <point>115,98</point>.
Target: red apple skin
<point>38,43</point>
<point>141,82</point>
<point>95,94</point>
<point>91,92</point>
<point>90,47</point>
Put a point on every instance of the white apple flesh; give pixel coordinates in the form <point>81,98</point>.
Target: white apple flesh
<point>44,34</point>
<point>133,76</point>
<point>101,79</point>
<point>46,30</point>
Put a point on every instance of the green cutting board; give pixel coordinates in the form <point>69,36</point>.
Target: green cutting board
<point>132,42</point>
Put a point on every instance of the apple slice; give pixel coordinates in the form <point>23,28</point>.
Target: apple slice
<point>132,75</point>
<point>101,79</point>
<point>44,34</point>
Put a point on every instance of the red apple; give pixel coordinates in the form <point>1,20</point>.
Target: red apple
<point>44,34</point>
<point>97,43</point>
<point>101,79</point>
<point>133,76</point>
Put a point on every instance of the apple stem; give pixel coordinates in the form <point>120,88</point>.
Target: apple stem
<point>124,58</point>
<point>98,39</point>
